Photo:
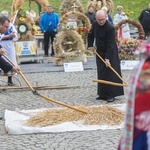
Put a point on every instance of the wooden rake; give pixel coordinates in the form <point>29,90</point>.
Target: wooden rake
<point>108,82</point>
<point>41,95</point>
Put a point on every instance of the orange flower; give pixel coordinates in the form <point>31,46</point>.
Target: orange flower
<point>66,15</point>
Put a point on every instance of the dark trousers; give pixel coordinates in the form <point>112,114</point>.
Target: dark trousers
<point>147,33</point>
<point>47,36</point>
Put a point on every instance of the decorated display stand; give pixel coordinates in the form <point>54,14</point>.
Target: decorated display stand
<point>69,45</point>
<point>127,48</point>
<point>25,23</point>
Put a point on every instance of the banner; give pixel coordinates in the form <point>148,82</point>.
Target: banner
<point>25,48</point>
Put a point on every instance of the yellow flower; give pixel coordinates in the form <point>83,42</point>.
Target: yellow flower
<point>34,27</point>
<point>21,19</point>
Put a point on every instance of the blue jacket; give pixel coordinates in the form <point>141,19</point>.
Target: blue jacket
<point>49,22</point>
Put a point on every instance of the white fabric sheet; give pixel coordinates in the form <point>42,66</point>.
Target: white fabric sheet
<point>15,120</point>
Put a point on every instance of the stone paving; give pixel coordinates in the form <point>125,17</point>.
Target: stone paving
<point>85,94</point>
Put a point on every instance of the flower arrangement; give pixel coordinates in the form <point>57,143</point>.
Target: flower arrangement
<point>127,48</point>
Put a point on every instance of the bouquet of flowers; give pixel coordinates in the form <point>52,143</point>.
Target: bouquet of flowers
<point>127,48</point>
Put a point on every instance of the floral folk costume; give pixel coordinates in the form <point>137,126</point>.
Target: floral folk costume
<point>136,134</point>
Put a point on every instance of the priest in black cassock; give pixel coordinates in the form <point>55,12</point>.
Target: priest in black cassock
<point>104,33</point>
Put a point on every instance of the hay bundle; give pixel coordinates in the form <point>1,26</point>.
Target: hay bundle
<point>96,116</point>
<point>66,6</point>
<point>97,4</point>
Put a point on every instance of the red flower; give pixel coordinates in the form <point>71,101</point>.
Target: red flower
<point>146,65</point>
<point>147,48</point>
<point>66,15</point>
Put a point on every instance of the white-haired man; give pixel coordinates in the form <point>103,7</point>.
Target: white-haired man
<point>104,33</point>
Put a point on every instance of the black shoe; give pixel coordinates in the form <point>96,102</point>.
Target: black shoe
<point>110,99</point>
<point>45,56</point>
<point>11,84</point>
<point>101,98</point>
<point>52,55</point>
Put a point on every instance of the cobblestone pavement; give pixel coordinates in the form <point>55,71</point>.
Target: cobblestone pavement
<point>85,94</point>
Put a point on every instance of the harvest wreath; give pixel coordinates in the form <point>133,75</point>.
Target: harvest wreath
<point>67,5</point>
<point>68,44</point>
<point>79,17</point>
<point>17,4</point>
<point>98,4</point>
<point>128,47</point>
<point>134,23</point>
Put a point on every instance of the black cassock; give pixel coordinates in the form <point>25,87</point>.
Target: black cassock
<point>107,49</point>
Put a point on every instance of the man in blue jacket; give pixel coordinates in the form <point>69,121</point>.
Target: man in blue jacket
<point>49,26</point>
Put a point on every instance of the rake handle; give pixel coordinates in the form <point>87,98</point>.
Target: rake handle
<point>108,82</point>
<point>43,96</point>
<point>111,67</point>
<point>20,73</point>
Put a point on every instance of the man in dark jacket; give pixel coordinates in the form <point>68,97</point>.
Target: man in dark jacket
<point>104,33</point>
<point>91,15</point>
<point>144,19</point>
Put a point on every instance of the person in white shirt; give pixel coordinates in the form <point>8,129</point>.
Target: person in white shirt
<point>7,42</point>
<point>124,31</point>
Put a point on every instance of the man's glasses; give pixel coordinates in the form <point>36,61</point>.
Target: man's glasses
<point>6,26</point>
<point>101,20</point>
